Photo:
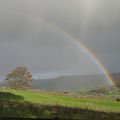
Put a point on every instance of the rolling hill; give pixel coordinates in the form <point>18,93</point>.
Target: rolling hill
<point>71,83</point>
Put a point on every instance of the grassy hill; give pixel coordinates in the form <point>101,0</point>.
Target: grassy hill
<point>42,104</point>
<point>71,83</point>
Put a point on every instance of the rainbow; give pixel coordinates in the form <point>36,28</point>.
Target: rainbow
<point>81,46</point>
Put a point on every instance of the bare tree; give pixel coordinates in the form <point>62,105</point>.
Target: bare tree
<point>20,78</point>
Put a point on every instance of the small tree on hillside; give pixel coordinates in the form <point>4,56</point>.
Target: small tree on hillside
<point>19,78</point>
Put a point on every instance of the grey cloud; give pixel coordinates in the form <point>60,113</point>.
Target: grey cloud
<point>25,38</point>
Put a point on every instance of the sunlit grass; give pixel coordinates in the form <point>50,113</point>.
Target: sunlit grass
<point>44,98</point>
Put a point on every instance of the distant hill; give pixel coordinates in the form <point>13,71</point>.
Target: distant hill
<point>3,83</point>
<point>72,83</point>
<point>116,78</point>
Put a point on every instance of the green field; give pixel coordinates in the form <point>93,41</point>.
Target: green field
<point>42,104</point>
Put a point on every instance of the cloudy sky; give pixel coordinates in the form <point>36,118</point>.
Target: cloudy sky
<point>30,34</point>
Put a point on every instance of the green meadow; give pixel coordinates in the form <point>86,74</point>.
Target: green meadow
<point>45,104</point>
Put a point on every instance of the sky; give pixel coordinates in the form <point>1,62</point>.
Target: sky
<point>30,35</point>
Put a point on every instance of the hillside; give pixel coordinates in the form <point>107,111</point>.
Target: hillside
<point>75,83</point>
<point>72,83</point>
<point>42,104</point>
<point>116,78</point>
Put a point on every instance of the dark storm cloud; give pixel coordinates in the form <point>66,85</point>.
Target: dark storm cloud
<point>25,38</point>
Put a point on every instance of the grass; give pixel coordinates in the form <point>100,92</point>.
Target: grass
<point>49,105</point>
